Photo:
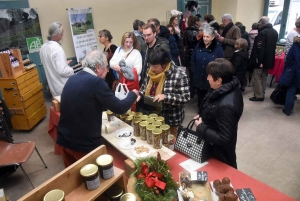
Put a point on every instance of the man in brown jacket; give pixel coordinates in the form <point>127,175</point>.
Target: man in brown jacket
<point>229,36</point>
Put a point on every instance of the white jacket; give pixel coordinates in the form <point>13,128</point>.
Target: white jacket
<point>134,60</point>
<point>56,67</point>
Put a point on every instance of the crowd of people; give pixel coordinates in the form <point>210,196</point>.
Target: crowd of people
<point>220,60</point>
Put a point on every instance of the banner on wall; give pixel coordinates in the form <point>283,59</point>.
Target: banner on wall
<point>20,28</point>
<point>83,32</point>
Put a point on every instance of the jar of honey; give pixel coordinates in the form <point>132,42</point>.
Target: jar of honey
<point>157,124</point>
<point>165,132</point>
<point>110,115</point>
<point>128,197</point>
<point>90,176</point>
<point>149,129</point>
<point>136,127</point>
<point>55,195</point>
<point>143,125</point>
<point>106,166</point>
<point>160,119</point>
<point>157,138</point>
<point>128,120</point>
<point>153,115</point>
<point>114,193</point>
<point>150,120</point>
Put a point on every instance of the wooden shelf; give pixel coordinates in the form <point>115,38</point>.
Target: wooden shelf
<point>7,71</point>
<point>69,180</point>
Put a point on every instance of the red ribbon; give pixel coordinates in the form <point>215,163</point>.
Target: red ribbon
<point>151,179</point>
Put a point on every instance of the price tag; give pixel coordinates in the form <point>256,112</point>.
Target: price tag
<point>200,176</point>
<point>245,194</point>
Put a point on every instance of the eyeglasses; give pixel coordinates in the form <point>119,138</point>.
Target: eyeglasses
<point>100,36</point>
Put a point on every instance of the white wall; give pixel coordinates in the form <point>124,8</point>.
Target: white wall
<point>115,15</point>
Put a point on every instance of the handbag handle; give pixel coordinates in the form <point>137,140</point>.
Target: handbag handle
<point>191,124</point>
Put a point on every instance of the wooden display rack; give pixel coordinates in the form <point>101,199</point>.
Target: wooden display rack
<point>70,181</point>
<point>7,70</point>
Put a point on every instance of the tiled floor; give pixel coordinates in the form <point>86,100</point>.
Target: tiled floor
<point>268,148</point>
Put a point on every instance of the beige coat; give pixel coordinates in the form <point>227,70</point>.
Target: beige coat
<point>232,34</point>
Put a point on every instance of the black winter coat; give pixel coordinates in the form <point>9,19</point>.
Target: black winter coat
<point>189,42</point>
<point>165,33</point>
<point>221,111</point>
<point>179,43</point>
<point>239,61</point>
<point>245,35</point>
<point>264,47</point>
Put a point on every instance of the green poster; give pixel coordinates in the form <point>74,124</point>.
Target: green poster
<point>34,44</point>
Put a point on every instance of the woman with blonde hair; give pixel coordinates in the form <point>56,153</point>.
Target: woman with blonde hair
<point>129,52</point>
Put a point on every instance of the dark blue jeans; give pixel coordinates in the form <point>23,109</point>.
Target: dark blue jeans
<point>290,99</point>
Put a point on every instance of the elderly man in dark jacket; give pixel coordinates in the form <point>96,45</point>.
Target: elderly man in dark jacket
<point>262,57</point>
<point>220,112</point>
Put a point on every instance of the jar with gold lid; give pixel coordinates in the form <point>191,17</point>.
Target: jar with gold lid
<point>153,115</point>
<point>114,193</point>
<point>150,121</point>
<point>136,127</point>
<point>157,138</point>
<point>106,166</point>
<point>144,118</point>
<point>55,195</point>
<point>157,124</point>
<point>128,120</point>
<point>143,125</point>
<point>110,115</point>
<point>160,119</point>
<point>122,117</point>
<point>149,129</point>
<point>165,132</point>
<point>138,114</point>
<point>171,141</point>
<point>90,176</point>
<point>128,197</point>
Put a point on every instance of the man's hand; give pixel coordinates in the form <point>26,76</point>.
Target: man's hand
<point>159,97</point>
<point>117,68</point>
<point>221,39</point>
<point>261,65</point>
<point>197,122</point>
<point>69,61</point>
<point>136,92</point>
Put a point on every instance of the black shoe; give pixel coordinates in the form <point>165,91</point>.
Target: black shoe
<point>242,89</point>
<point>287,114</point>
<point>256,99</point>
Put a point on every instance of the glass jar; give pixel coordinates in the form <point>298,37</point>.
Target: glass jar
<point>157,138</point>
<point>90,176</point>
<point>144,117</point>
<point>106,166</point>
<point>165,132</point>
<point>143,125</point>
<point>114,193</point>
<point>160,119</point>
<point>171,141</point>
<point>128,197</point>
<point>110,115</point>
<point>138,114</point>
<point>55,195</point>
<point>122,117</point>
<point>153,115</point>
<point>150,120</point>
<point>157,124</point>
<point>149,129</point>
<point>136,128</point>
<point>128,120</point>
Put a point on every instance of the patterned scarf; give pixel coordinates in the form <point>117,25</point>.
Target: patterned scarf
<point>160,79</point>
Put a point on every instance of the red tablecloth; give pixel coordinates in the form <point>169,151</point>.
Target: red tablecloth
<point>215,168</point>
<point>278,67</point>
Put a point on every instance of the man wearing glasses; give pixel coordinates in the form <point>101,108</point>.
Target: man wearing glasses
<point>83,100</point>
<point>54,60</point>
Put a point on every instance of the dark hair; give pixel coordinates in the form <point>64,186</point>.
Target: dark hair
<point>106,33</point>
<point>136,24</point>
<point>172,19</point>
<point>141,23</point>
<point>209,18</point>
<point>220,68</point>
<point>151,26</point>
<point>191,21</point>
<point>155,20</point>
<point>198,17</point>
<point>255,26</point>
<point>238,24</point>
<point>170,25</point>
<point>159,56</point>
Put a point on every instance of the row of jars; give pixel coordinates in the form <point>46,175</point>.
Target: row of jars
<point>149,128</point>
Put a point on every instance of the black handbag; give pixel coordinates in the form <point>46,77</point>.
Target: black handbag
<point>190,144</point>
<point>278,96</point>
<point>148,100</point>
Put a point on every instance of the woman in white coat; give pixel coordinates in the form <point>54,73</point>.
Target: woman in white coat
<point>129,51</point>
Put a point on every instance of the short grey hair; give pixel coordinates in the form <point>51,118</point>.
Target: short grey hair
<point>204,25</point>
<point>209,30</point>
<point>54,29</point>
<point>93,58</point>
<point>264,20</point>
<point>227,16</point>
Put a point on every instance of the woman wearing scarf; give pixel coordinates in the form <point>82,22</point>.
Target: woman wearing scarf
<point>168,85</point>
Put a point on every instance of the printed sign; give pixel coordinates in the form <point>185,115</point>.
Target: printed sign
<point>34,44</point>
<point>245,194</point>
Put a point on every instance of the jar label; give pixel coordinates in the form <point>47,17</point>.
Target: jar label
<point>93,184</point>
<point>109,173</point>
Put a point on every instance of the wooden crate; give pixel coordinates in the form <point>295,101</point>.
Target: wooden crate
<point>6,68</point>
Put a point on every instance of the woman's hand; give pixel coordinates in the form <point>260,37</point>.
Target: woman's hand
<point>117,68</point>
<point>197,122</point>
<point>196,117</point>
<point>159,97</point>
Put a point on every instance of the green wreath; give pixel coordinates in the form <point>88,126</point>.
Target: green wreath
<point>149,194</point>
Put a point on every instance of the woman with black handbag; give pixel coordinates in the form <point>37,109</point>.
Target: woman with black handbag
<point>220,111</point>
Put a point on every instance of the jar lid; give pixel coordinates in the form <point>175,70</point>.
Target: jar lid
<point>143,123</point>
<point>137,114</point>
<point>136,121</point>
<point>144,116</point>
<point>159,118</point>
<point>132,113</point>
<point>128,197</point>
<point>89,170</point>
<point>129,118</point>
<point>153,115</point>
<point>114,191</point>
<point>109,112</point>
<point>165,127</point>
<point>156,131</point>
<point>54,195</point>
<point>150,127</point>
<point>104,160</point>
<point>171,137</point>
<point>157,123</point>
<point>150,121</point>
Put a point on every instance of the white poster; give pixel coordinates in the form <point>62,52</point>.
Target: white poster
<point>83,32</point>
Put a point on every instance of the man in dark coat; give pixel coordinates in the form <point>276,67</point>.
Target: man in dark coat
<point>163,32</point>
<point>262,57</point>
<point>84,97</point>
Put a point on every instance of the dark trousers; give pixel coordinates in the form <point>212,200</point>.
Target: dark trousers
<point>192,88</point>
<point>243,81</point>
<point>201,94</point>
<point>290,99</point>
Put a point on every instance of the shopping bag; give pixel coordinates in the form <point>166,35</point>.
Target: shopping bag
<point>278,96</point>
<point>121,91</point>
<point>131,84</point>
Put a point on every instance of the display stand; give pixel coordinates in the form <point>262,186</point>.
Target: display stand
<point>70,181</point>
<point>6,68</point>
